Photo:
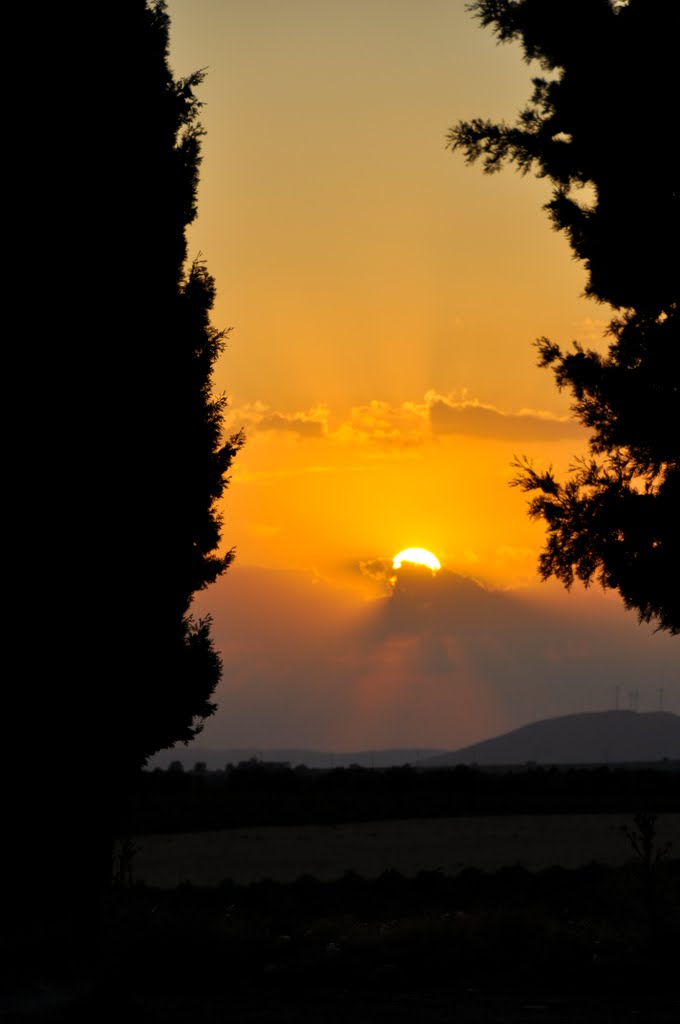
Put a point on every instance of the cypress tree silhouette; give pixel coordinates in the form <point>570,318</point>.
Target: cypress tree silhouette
<point>597,127</point>
<point>120,457</point>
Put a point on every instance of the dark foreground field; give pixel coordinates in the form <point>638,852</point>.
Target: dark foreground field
<point>591,944</point>
<point>510,899</point>
<point>409,846</point>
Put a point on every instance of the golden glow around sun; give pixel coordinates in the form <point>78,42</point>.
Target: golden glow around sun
<point>421,556</point>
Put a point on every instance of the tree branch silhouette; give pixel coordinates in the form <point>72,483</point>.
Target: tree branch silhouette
<point>595,128</point>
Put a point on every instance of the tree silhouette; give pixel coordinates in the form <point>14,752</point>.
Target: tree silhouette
<point>597,127</point>
<point>119,455</point>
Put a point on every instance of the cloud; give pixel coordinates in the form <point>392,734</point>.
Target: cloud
<point>375,423</point>
<point>296,424</point>
<point>409,424</point>
<point>379,423</point>
<point>258,416</point>
<point>380,570</point>
<point>475,419</point>
<point>414,423</point>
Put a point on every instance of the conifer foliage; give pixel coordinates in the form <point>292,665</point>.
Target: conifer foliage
<point>598,128</point>
<point>167,449</point>
<point>119,457</point>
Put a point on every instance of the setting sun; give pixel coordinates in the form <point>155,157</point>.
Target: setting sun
<point>420,556</point>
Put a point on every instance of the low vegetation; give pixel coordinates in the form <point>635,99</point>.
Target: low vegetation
<point>580,939</point>
<point>590,943</point>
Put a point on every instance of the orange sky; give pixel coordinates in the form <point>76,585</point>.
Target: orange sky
<point>384,298</point>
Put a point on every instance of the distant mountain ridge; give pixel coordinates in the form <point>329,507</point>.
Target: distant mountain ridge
<point>597,737</point>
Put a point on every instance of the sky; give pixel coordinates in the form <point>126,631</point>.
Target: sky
<point>381,300</point>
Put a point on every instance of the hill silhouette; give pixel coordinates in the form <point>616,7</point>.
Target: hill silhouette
<point>598,737</point>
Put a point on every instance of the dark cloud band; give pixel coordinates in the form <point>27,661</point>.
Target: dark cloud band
<point>486,422</point>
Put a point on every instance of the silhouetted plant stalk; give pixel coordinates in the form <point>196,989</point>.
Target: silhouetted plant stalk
<point>649,856</point>
<point>122,875</point>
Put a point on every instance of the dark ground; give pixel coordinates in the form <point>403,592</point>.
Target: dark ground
<point>562,945</point>
<point>595,944</point>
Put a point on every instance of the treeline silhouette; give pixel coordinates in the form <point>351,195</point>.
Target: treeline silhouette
<point>258,793</point>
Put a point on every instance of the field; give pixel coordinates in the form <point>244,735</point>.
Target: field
<point>509,918</point>
<point>267,895</point>
<point>548,918</point>
<point>326,852</point>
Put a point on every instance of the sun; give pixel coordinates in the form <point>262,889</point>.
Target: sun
<point>421,556</point>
